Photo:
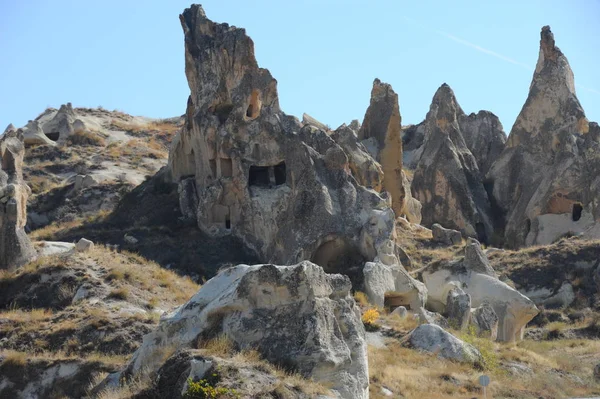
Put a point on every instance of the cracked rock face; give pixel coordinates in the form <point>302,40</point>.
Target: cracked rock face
<point>447,180</point>
<point>15,247</point>
<point>296,316</point>
<point>287,189</point>
<point>550,164</point>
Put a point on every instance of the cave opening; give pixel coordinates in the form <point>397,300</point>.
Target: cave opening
<point>576,211</point>
<point>338,255</point>
<point>259,176</point>
<point>253,110</point>
<point>53,135</point>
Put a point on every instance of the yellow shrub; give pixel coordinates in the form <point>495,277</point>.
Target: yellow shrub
<point>370,316</point>
<point>361,298</point>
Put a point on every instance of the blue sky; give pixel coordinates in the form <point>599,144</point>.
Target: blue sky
<point>128,55</point>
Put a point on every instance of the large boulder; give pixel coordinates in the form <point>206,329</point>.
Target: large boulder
<point>381,126</point>
<point>445,236</point>
<point>479,281</point>
<point>297,317</point>
<point>434,339</point>
<point>15,247</point>
<point>286,189</point>
<point>550,165</point>
<point>447,180</point>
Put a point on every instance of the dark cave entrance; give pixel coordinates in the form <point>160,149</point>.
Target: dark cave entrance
<point>279,172</point>
<point>53,136</point>
<point>338,255</point>
<point>576,212</point>
<point>259,176</point>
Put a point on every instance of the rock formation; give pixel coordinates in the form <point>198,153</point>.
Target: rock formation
<point>548,172</point>
<point>34,135</point>
<point>447,180</point>
<point>474,275</point>
<point>296,316</point>
<point>381,133</point>
<point>15,247</point>
<point>433,338</point>
<point>245,168</point>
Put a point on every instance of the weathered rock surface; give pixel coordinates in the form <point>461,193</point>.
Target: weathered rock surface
<point>447,180</point>
<point>34,135</point>
<point>514,310</point>
<point>246,380</point>
<point>15,247</point>
<point>445,236</point>
<point>393,286</point>
<point>550,164</point>
<point>295,316</point>
<point>485,321</point>
<point>434,339</point>
<point>285,189</point>
<point>382,126</point>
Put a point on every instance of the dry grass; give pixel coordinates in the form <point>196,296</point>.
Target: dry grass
<point>361,298</point>
<point>120,294</point>
<point>26,316</point>
<point>561,368</point>
<point>14,359</point>
<point>86,138</point>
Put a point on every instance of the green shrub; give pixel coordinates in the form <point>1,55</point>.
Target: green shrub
<point>204,389</point>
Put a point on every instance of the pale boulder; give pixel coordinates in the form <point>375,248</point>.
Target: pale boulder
<point>297,316</point>
<point>434,339</point>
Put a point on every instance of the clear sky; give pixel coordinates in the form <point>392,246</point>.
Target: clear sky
<point>128,55</point>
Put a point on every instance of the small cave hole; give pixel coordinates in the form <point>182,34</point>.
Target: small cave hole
<point>339,255</point>
<point>259,176</point>
<point>53,136</point>
<point>253,110</point>
<point>576,212</point>
<point>228,223</point>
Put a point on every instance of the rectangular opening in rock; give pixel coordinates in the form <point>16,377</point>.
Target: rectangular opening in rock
<point>279,171</point>
<point>258,176</point>
<point>226,167</point>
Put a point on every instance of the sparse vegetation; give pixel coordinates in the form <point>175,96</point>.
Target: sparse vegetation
<point>86,138</point>
<point>205,389</point>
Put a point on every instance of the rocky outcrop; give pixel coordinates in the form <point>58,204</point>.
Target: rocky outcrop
<point>15,247</point>
<point>393,286</point>
<point>382,129</point>
<point>296,316</point>
<point>289,191</point>
<point>474,275</point>
<point>485,321</point>
<point>434,339</point>
<point>34,135</point>
<point>447,180</point>
<point>445,236</point>
<point>550,164</point>
<point>458,308</point>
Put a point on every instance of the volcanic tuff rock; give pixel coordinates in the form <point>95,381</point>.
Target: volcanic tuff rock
<point>381,127</point>
<point>474,275</point>
<point>447,181</point>
<point>296,316</point>
<point>284,188</point>
<point>15,247</point>
<point>550,165</point>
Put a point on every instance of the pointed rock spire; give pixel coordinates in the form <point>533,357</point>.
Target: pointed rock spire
<point>544,168</point>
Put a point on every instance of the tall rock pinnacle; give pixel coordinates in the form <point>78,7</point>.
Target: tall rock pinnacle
<point>447,180</point>
<point>546,166</point>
